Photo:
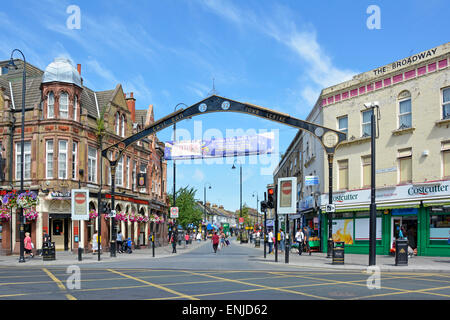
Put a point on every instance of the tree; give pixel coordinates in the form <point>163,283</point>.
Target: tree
<point>188,211</point>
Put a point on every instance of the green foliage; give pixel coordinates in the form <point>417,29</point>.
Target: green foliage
<point>188,211</point>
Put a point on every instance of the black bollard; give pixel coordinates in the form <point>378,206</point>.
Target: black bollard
<point>153,245</point>
<point>80,254</point>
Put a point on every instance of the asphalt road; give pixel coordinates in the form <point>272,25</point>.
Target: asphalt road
<point>234,273</point>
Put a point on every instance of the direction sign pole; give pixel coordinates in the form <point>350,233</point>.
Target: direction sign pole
<point>113,220</point>
<point>265,226</point>
<point>287,240</point>
<point>330,201</point>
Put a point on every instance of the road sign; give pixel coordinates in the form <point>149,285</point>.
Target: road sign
<point>80,206</point>
<point>174,212</point>
<point>330,208</point>
<point>287,195</point>
<point>241,220</point>
<point>311,180</point>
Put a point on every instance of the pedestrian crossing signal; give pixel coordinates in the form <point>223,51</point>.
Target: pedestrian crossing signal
<point>271,197</point>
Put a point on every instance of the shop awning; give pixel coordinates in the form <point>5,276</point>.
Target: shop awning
<point>437,202</point>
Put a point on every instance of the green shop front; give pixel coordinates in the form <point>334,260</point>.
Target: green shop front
<point>423,210</point>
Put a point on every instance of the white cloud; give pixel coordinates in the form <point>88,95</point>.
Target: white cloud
<point>319,71</point>
<point>198,175</point>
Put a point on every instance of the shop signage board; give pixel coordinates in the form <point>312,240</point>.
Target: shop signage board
<point>80,204</point>
<point>405,192</point>
<point>286,195</point>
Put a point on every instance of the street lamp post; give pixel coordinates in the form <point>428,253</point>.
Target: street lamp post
<point>240,187</point>
<point>174,164</point>
<point>373,206</point>
<point>257,202</point>
<point>22,137</point>
<point>204,204</point>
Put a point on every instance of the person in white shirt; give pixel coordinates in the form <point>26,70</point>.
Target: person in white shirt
<point>299,237</point>
<point>199,237</point>
<point>270,241</point>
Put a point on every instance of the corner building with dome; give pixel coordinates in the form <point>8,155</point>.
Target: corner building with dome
<point>62,152</point>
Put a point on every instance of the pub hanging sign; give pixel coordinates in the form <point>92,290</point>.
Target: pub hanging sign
<point>142,180</point>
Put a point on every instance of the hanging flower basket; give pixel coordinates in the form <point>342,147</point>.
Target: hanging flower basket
<point>142,218</point>
<point>93,214</point>
<point>27,199</point>
<point>132,217</point>
<point>30,214</point>
<point>121,216</point>
<point>5,215</point>
<point>9,200</point>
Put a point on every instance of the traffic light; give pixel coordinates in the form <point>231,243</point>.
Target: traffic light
<point>271,197</point>
<point>263,206</point>
<point>103,208</point>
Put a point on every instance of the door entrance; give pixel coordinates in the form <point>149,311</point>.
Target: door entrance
<point>408,225</point>
<point>60,232</point>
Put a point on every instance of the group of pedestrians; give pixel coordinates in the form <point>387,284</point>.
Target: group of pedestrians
<point>301,239</point>
<point>219,240</point>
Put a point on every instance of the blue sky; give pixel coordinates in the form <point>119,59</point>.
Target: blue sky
<point>277,54</point>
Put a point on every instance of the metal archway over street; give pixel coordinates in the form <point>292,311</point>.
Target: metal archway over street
<point>329,138</point>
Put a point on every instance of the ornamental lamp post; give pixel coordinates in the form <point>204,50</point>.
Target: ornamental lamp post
<point>204,204</point>
<point>373,206</point>
<point>173,159</point>
<point>21,217</point>
<point>240,187</point>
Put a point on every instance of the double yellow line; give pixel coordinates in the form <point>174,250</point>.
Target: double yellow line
<point>59,283</point>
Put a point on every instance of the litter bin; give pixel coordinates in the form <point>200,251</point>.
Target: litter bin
<point>338,252</point>
<point>48,251</point>
<point>401,252</point>
<point>257,242</point>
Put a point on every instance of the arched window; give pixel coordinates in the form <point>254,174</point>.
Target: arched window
<point>123,125</point>
<point>75,108</point>
<point>64,105</point>
<point>50,105</point>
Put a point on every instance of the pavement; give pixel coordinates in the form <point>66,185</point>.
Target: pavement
<point>69,258</point>
<point>317,260</point>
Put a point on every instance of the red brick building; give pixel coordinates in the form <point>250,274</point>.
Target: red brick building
<point>61,153</point>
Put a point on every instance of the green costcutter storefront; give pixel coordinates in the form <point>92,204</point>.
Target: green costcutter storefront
<point>425,216</point>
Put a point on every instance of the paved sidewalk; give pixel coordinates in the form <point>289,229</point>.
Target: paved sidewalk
<point>354,261</point>
<point>68,258</point>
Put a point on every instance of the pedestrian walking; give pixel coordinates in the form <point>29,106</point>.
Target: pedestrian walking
<point>95,242</point>
<point>270,241</point>
<point>199,237</point>
<point>215,241</point>
<point>119,241</point>
<point>299,238</point>
<point>186,237</point>
<point>174,240</point>
<point>129,245</point>
<point>28,245</point>
<point>282,240</point>
<point>306,232</point>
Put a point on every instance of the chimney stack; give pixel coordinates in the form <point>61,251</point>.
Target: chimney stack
<point>131,103</point>
<point>79,69</point>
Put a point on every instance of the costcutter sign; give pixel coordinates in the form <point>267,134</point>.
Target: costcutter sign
<point>406,192</point>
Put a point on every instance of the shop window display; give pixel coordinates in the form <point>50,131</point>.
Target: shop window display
<point>440,229</point>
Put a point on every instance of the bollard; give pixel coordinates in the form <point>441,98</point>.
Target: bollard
<point>153,245</point>
<point>80,254</point>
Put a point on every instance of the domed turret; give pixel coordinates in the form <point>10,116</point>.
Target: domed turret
<point>61,70</point>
